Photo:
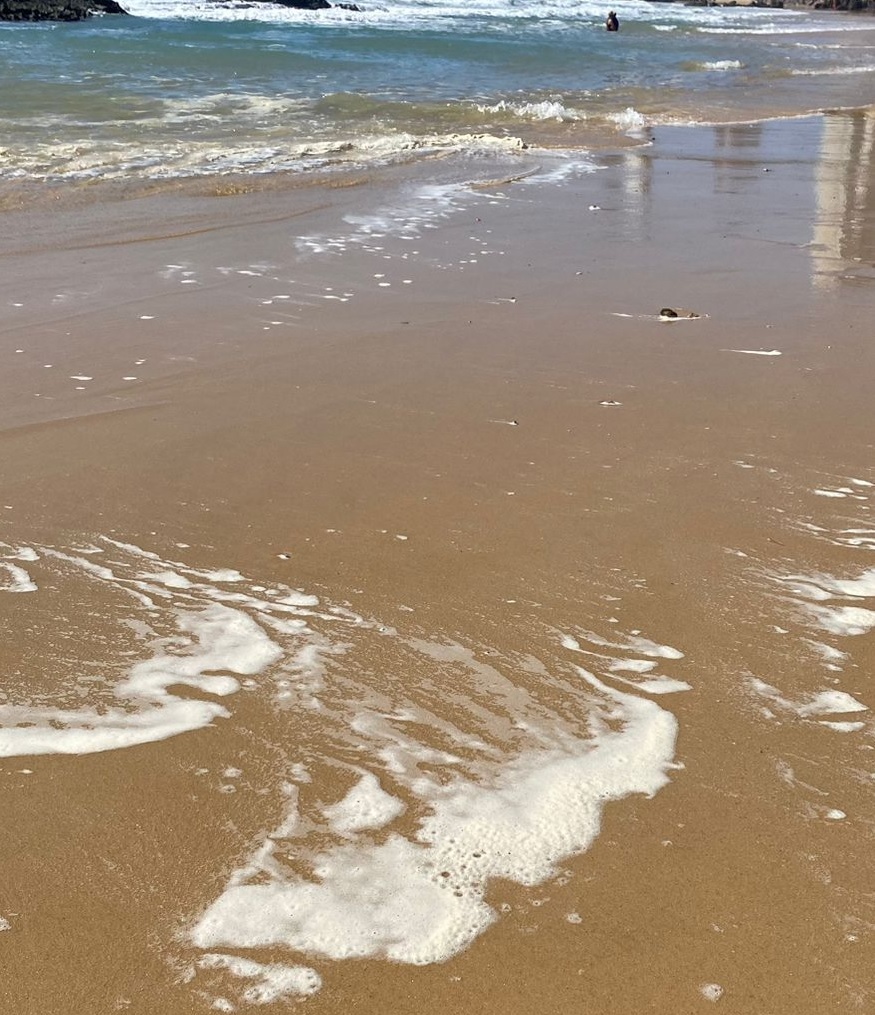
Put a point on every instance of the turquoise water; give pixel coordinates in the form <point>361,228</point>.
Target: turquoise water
<point>187,89</point>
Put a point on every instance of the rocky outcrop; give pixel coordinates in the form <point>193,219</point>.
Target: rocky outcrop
<point>77,10</point>
<point>56,10</point>
<point>842,5</point>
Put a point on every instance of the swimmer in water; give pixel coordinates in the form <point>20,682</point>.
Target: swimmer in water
<point>612,22</point>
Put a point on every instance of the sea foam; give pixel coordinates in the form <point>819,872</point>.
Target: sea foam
<point>421,898</point>
<point>214,636</point>
<point>395,856</point>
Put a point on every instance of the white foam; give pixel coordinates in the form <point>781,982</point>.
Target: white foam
<point>632,642</point>
<point>217,636</point>
<point>711,991</point>
<point>4,924</point>
<point>859,588</point>
<point>549,109</point>
<point>367,805</point>
<point>833,657</point>
<point>417,209</point>
<point>399,867</point>
<point>833,71</point>
<point>629,119</point>
<point>270,982</point>
<point>844,620</point>
<point>658,685</point>
<point>16,580</point>
<point>19,553</point>
<point>719,65</point>
<point>818,589</point>
<point>756,352</point>
<point>632,665</point>
<point>421,899</point>
<point>828,702</point>
<point>844,727</point>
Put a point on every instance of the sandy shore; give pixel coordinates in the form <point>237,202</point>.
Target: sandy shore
<point>481,439</point>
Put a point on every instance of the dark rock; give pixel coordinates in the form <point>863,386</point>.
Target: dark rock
<point>42,10</point>
<point>304,5</point>
<point>56,10</point>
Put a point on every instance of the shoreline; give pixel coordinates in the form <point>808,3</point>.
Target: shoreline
<point>668,486</point>
<point>38,195</point>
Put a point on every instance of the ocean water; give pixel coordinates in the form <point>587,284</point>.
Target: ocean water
<point>192,89</point>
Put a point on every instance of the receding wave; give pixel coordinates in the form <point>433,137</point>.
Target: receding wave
<point>175,160</point>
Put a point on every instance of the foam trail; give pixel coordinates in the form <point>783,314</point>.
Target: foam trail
<point>421,899</point>
<point>842,620</point>
<point>822,703</point>
<point>18,579</point>
<point>216,637</point>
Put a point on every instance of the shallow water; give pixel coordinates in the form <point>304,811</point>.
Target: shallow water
<point>199,89</point>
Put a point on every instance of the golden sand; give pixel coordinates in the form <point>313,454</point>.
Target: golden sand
<point>504,450</point>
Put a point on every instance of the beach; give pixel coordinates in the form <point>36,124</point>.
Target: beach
<point>402,613</point>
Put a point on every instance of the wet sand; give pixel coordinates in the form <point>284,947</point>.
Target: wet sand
<point>504,450</point>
